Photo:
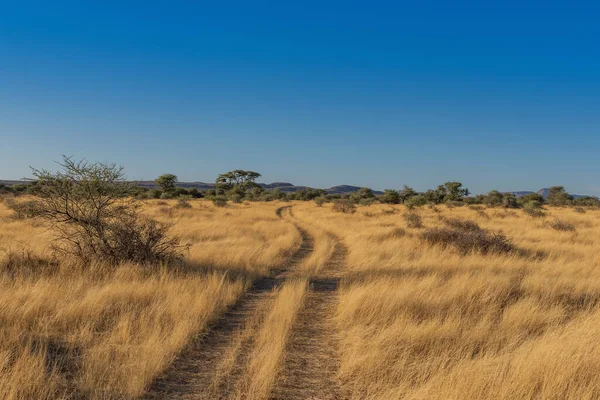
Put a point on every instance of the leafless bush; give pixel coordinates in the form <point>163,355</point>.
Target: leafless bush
<point>466,241</point>
<point>94,217</point>
<point>344,206</point>
<point>561,225</point>
<point>579,210</point>
<point>413,220</point>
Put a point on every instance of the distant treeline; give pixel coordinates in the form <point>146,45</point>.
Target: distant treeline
<point>240,185</point>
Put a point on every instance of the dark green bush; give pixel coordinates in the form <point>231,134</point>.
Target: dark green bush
<point>319,201</point>
<point>416,201</point>
<point>534,209</point>
<point>219,201</point>
<point>390,196</point>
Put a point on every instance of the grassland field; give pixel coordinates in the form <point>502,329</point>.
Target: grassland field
<point>294,301</point>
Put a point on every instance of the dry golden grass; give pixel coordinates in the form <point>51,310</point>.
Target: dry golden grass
<point>100,333</point>
<point>424,322</point>
<point>414,321</point>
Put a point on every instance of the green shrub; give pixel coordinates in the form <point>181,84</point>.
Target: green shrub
<point>235,198</point>
<point>416,201</point>
<point>493,199</point>
<point>557,196</point>
<point>153,194</point>
<point>587,201</point>
<point>219,201</point>
<point>319,201</point>
<point>534,209</point>
<point>195,193</point>
<point>390,196</point>
<point>530,197</point>
<point>509,200</point>
<point>366,202</point>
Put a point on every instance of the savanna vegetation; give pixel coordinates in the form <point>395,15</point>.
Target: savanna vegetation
<point>108,291</point>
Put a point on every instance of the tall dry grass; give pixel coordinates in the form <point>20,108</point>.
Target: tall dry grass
<point>415,320</point>
<point>420,321</point>
<point>94,332</point>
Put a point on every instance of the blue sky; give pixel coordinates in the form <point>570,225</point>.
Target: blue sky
<point>501,95</point>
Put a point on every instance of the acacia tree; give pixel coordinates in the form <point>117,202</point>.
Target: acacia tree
<point>91,210</point>
<point>238,179</point>
<point>558,196</point>
<point>166,182</point>
<point>406,193</point>
<point>451,191</point>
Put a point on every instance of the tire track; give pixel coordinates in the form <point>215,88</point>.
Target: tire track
<point>311,360</point>
<point>197,372</point>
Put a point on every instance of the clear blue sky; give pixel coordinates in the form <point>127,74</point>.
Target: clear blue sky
<point>499,95</point>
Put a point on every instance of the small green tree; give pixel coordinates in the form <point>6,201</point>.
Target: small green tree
<point>509,200</point>
<point>416,201</point>
<point>451,191</point>
<point>166,182</point>
<point>557,196</point>
<point>406,193</point>
<point>319,201</point>
<point>538,198</point>
<point>494,198</point>
<point>390,196</point>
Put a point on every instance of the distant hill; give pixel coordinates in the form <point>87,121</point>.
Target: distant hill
<point>544,193</point>
<point>10,183</point>
<point>521,193</point>
<point>344,189</point>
